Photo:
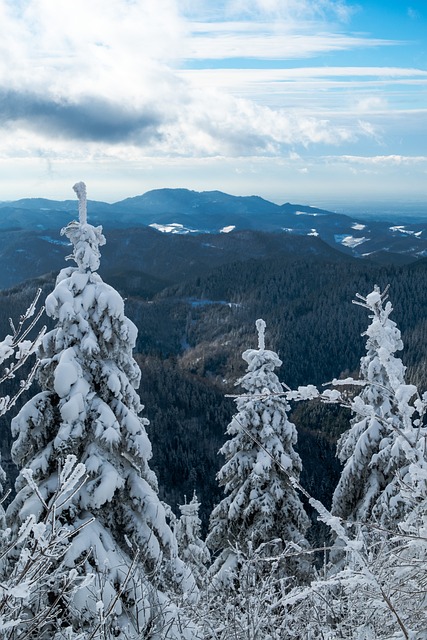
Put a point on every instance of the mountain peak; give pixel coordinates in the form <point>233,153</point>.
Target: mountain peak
<point>185,211</point>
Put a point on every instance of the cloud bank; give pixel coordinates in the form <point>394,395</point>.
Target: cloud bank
<point>89,118</point>
<point>108,73</point>
<point>174,83</point>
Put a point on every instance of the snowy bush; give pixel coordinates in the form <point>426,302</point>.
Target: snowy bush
<point>34,591</point>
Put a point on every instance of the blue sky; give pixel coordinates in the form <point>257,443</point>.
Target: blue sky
<point>311,101</point>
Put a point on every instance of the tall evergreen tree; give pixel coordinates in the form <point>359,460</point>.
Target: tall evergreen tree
<point>89,407</point>
<point>261,505</point>
<point>370,449</point>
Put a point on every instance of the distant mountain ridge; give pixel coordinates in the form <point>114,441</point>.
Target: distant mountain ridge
<point>146,261</point>
<point>183,212</point>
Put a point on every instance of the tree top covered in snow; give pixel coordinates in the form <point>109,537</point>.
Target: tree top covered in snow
<point>260,325</point>
<point>80,190</point>
<point>85,238</point>
<point>260,361</point>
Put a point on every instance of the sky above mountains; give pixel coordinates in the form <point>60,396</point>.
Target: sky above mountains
<point>317,101</point>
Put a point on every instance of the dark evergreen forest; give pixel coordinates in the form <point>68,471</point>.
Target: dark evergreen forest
<point>192,335</point>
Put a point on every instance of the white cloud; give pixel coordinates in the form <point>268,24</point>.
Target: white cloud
<point>234,127</point>
<point>122,58</point>
<point>285,10</point>
<point>269,42</point>
<point>371,103</point>
<point>228,77</point>
<point>73,47</point>
<point>369,130</point>
<point>382,160</point>
<point>102,74</point>
<point>317,88</point>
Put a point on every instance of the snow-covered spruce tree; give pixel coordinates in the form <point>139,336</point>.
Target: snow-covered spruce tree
<point>89,406</point>
<point>370,449</point>
<point>379,591</point>
<point>261,509</point>
<point>192,549</point>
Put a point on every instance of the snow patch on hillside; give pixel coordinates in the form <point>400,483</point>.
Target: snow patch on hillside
<point>402,229</point>
<point>173,227</point>
<point>349,241</point>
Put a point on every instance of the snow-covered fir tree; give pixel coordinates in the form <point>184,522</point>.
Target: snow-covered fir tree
<point>371,450</point>
<point>261,507</point>
<point>192,549</point>
<point>89,407</point>
<point>376,590</point>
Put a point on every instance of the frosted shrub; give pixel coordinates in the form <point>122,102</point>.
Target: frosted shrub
<point>30,560</point>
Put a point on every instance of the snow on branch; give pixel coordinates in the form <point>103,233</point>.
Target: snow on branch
<point>32,560</point>
<point>302,393</point>
<point>17,346</point>
<point>323,513</point>
<point>373,300</point>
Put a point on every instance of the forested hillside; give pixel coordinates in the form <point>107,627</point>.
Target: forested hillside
<point>191,336</point>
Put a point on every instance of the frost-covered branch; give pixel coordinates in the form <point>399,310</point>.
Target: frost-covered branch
<point>30,563</point>
<point>16,348</point>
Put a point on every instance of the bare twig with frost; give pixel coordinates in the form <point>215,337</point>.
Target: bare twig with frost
<point>30,559</point>
<point>17,346</point>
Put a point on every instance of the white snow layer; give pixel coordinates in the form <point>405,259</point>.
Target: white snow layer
<point>173,227</point>
<point>351,241</point>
